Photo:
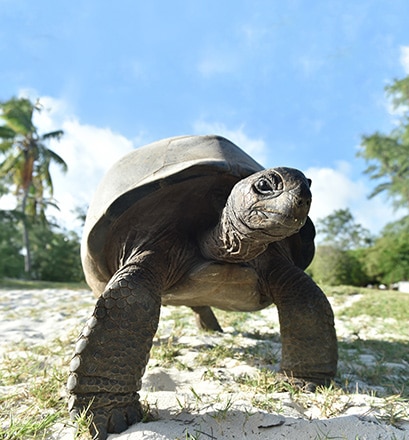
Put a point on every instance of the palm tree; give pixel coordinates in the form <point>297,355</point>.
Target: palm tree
<point>26,162</point>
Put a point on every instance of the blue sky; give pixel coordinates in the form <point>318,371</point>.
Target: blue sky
<point>295,83</point>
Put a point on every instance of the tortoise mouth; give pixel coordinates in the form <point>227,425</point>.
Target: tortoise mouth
<point>278,225</point>
<point>288,221</point>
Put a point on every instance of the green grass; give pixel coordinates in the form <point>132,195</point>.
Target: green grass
<point>165,354</point>
<point>385,304</point>
<point>373,302</point>
<point>214,356</point>
<point>266,382</point>
<point>381,304</point>
<point>383,350</point>
<point>9,283</point>
<point>30,427</point>
<point>37,376</point>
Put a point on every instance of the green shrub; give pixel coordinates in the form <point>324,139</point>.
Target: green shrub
<point>334,266</point>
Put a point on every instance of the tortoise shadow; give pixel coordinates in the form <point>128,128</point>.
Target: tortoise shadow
<point>373,365</point>
<point>208,421</point>
<point>379,367</point>
<point>252,424</point>
<point>369,366</point>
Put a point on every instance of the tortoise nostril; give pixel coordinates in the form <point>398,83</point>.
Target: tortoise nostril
<point>302,203</point>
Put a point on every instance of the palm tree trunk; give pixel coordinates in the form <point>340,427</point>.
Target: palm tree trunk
<point>26,239</point>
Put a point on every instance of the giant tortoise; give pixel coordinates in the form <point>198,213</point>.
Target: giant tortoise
<point>193,221</point>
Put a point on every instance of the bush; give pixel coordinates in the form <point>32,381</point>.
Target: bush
<point>11,258</point>
<point>56,255</point>
<point>334,266</point>
<point>387,261</point>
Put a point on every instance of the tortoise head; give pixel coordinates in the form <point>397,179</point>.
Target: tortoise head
<point>270,205</point>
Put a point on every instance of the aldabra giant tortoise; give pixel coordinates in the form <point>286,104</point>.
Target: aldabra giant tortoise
<point>193,220</point>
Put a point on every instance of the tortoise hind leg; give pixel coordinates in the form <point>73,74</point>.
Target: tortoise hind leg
<point>206,319</point>
<point>113,350</point>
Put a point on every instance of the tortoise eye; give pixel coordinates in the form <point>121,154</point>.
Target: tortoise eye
<point>263,186</point>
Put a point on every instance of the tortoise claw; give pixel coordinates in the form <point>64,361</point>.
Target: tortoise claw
<point>110,420</point>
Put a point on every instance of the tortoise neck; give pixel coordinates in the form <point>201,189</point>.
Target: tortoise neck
<point>230,240</point>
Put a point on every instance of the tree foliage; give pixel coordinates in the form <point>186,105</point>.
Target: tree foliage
<point>56,254</point>
<point>335,266</point>
<point>340,230</point>
<point>55,251</point>
<point>330,266</point>
<point>381,260</point>
<point>388,259</point>
<point>11,258</point>
<point>25,165</point>
<point>387,155</point>
<point>338,256</point>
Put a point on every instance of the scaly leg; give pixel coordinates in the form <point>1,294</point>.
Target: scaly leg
<point>113,350</point>
<point>309,342</point>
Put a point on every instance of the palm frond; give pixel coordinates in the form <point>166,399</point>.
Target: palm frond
<point>7,132</point>
<point>26,157</point>
<point>52,135</point>
<point>6,146</point>
<point>42,177</point>
<point>18,113</point>
<point>57,159</point>
<point>8,164</point>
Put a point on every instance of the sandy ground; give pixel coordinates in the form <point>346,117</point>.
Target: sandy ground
<point>203,402</point>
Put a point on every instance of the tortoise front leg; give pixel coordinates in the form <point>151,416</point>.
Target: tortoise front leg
<point>113,350</point>
<point>309,342</point>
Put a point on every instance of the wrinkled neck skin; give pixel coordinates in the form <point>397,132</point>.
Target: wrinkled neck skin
<point>263,208</point>
<point>233,241</point>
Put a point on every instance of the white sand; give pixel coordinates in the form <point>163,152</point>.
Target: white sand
<point>206,402</point>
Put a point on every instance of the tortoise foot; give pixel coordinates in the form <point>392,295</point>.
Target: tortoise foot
<point>115,417</point>
<point>302,385</point>
<point>305,384</point>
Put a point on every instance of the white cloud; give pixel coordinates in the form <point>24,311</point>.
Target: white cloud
<point>404,58</point>
<point>333,188</point>
<point>89,152</point>
<point>256,148</point>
